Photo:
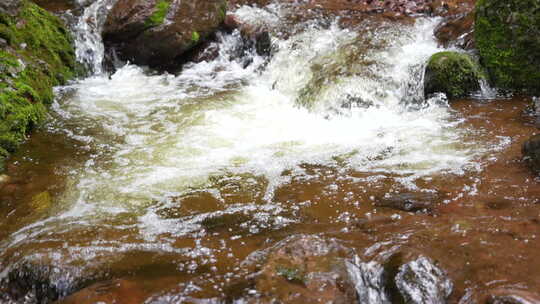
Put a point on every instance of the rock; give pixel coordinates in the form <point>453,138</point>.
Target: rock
<point>41,202</point>
<point>305,268</point>
<point>114,291</point>
<point>4,179</point>
<point>10,7</point>
<point>512,296</point>
<point>455,74</point>
<point>420,281</point>
<point>457,32</point>
<point>410,202</point>
<point>507,39</point>
<point>531,152</point>
<point>536,111</point>
<point>35,282</point>
<point>57,6</point>
<point>157,32</point>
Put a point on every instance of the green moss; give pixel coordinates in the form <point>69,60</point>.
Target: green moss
<point>39,55</point>
<point>158,17</point>
<point>455,74</point>
<point>507,36</point>
<point>292,275</point>
<point>195,37</point>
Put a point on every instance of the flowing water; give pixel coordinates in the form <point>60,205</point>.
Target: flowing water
<point>170,181</point>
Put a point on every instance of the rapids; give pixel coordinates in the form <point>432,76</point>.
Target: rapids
<point>174,179</point>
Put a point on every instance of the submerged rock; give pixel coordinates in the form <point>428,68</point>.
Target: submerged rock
<point>507,39</point>
<point>512,296</point>
<point>157,32</point>
<point>455,74</point>
<point>420,281</point>
<point>114,291</point>
<point>531,152</point>
<point>304,268</point>
<point>410,202</point>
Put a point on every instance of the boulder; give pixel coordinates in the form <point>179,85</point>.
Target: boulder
<point>508,41</point>
<point>455,74</point>
<point>157,32</point>
<point>531,152</point>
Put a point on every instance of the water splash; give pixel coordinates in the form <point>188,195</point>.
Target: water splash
<point>89,46</point>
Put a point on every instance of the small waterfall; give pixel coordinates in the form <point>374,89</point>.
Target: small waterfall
<point>87,31</point>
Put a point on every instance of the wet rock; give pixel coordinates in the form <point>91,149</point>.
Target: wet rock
<point>115,291</point>
<point>304,268</point>
<point>4,179</point>
<point>410,202</point>
<point>507,39</point>
<point>256,37</point>
<point>512,296</point>
<point>10,7</point>
<point>41,202</point>
<point>455,74</point>
<point>36,283</point>
<point>536,111</point>
<point>157,32</point>
<point>57,6</point>
<point>420,281</point>
<point>531,152</point>
<point>457,32</point>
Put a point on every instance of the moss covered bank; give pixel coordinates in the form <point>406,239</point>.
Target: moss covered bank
<point>36,53</point>
<point>508,39</point>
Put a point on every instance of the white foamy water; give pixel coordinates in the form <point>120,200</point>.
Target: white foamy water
<point>330,96</point>
<point>164,134</point>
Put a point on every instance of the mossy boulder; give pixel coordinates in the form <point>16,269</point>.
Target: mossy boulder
<point>455,74</point>
<point>507,36</point>
<point>36,53</point>
<point>156,32</point>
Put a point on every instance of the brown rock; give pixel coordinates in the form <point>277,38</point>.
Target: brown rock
<point>531,152</point>
<point>457,31</point>
<point>156,32</point>
<point>512,296</point>
<point>305,269</point>
<point>115,291</point>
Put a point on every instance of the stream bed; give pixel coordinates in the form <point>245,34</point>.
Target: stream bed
<point>167,183</point>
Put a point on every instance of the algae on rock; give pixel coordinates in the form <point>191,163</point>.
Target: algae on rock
<point>507,36</point>
<point>455,74</point>
<point>36,55</point>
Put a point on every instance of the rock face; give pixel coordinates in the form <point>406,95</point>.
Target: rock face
<point>156,32</point>
<point>36,53</point>
<point>507,39</point>
<point>455,74</point>
<point>531,152</point>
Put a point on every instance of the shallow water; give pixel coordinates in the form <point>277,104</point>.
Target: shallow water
<point>169,182</point>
